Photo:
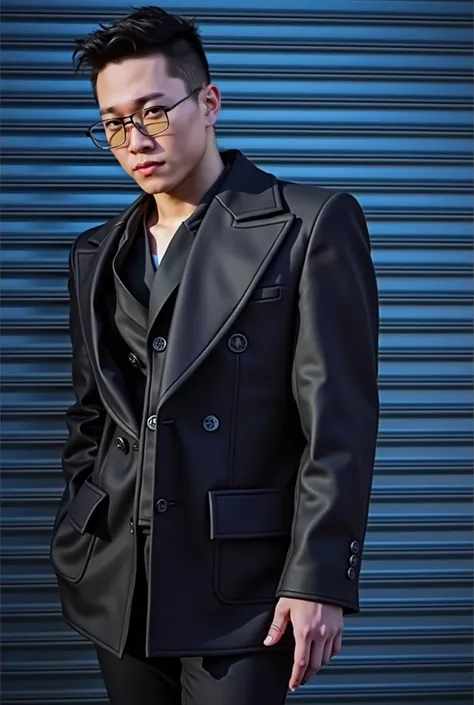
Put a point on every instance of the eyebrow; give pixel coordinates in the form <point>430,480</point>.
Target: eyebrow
<point>138,102</point>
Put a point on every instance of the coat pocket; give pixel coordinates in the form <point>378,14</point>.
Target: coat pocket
<point>266,293</point>
<point>251,532</point>
<point>73,539</point>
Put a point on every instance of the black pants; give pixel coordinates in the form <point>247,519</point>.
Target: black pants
<point>259,678</point>
<point>256,679</point>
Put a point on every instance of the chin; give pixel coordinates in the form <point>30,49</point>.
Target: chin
<point>160,185</point>
<point>153,186</point>
<point>153,190</point>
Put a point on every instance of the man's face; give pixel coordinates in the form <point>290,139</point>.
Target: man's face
<point>180,147</point>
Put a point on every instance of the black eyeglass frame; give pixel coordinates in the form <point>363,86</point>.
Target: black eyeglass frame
<point>130,119</point>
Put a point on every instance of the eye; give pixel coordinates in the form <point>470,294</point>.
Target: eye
<point>153,111</point>
<point>112,124</point>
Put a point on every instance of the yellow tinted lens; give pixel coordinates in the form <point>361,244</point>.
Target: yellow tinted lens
<point>153,121</point>
<point>155,126</point>
<point>116,136</point>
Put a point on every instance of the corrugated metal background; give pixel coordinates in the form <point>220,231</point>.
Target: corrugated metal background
<point>372,96</point>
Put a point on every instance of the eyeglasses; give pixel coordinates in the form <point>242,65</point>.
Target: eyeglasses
<point>112,133</point>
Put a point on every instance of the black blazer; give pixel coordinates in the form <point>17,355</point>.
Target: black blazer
<point>266,424</point>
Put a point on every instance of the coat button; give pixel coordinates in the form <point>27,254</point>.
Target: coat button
<point>161,506</point>
<point>132,527</point>
<point>151,422</point>
<point>122,444</point>
<point>237,343</point>
<point>353,560</point>
<point>211,423</point>
<point>133,360</point>
<point>351,573</point>
<point>159,344</point>
<point>355,547</point>
<point>135,446</point>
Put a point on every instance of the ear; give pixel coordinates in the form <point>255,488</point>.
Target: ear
<point>212,104</point>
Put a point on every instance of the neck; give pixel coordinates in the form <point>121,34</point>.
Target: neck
<point>177,205</point>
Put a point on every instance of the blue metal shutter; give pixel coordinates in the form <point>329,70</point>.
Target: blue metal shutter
<point>372,96</point>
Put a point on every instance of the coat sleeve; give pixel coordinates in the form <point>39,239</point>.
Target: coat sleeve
<point>85,418</point>
<point>334,381</point>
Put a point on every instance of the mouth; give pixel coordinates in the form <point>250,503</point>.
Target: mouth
<point>148,167</point>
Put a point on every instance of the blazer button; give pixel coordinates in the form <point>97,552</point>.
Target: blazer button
<point>133,360</point>
<point>151,422</point>
<point>355,547</point>
<point>353,560</point>
<point>135,446</point>
<point>122,444</point>
<point>211,423</point>
<point>237,343</point>
<point>161,506</point>
<point>351,573</point>
<point>159,344</point>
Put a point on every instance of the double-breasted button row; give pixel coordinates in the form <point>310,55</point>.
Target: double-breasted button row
<point>209,423</point>
<point>237,342</point>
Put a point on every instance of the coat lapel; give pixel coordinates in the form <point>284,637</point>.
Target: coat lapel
<point>240,233</point>
<point>169,273</point>
<point>97,292</point>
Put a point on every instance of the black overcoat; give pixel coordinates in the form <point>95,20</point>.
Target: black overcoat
<point>266,424</point>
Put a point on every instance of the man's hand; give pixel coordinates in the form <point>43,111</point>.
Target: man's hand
<point>317,629</point>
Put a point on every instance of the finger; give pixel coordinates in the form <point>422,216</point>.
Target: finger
<point>277,627</point>
<point>315,660</point>
<point>327,652</point>
<point>337,644</point>
<point>301,660</point>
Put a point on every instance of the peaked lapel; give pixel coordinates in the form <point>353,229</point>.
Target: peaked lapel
<point>169,272</point>
<point>241,231</point>
<point>173,264</point>
<point>94,271</point>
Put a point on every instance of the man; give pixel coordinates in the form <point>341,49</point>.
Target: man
<point>220,451</point>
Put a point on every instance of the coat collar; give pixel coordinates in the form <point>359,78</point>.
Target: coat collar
<point>242,229</point>
<point>117,223</point>
<point>247,193</point>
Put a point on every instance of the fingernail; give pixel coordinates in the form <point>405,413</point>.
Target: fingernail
<point>268,640</point>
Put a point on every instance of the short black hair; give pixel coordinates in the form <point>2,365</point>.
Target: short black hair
<point>146,30</point>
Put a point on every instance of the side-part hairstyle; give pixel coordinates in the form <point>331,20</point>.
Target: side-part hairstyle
<point>146,30</point>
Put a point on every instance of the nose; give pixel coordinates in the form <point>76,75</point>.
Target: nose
<point>137,141</point>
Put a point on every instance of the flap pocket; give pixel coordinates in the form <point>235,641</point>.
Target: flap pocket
<point>84,504</point>
<point>247,514</point>
<point>266,292</point>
